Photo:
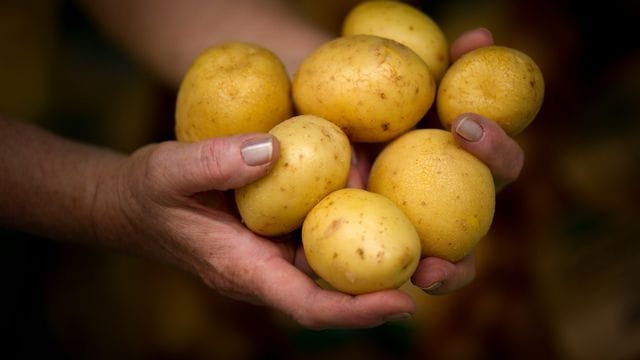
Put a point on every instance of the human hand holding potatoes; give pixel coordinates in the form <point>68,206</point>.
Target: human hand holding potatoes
<point>375,305</point>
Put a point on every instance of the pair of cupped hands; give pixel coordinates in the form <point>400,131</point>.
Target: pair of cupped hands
<point>171,199</point>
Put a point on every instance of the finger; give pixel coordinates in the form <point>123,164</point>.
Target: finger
<point>360,164</point>
<point>216,164</point>
<point>301,263</point>
<point>291,291</point>
<point>470,40</point>
<point>488,142</point>
<point>437,276</point>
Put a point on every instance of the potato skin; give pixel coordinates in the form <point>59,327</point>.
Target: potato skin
<point>360,242</point>
<point>498,82</point>
<point>446,192</point>
<point>315,157</point>
<point>231,89</point>
<point>373,88</point>
<point>405,24</point>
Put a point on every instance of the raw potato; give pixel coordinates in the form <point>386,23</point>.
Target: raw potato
<point>360,242</point>
<point>373,88</point>
<point>231,89</point>
<point>500,83</point>
<point>446,192</point>
<point>315,156</point>
<point>405,24</point>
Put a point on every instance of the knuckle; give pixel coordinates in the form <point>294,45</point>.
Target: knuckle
<point>211,160</point>
<point>154,161</point>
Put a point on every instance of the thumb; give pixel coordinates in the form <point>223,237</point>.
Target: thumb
<point>222,163</point>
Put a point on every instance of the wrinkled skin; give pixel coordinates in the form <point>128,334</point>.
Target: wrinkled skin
<point>174,200</point>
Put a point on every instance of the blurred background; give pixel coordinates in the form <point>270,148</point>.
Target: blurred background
<point>557,275</point>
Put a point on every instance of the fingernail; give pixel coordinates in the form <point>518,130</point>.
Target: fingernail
<point>469,129</point>
<point>398,317</point>
<point>433,287</point>
<point>257,151</point>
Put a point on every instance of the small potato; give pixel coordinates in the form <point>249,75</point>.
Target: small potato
<point>446,192</point>
<point>360,242</point>
<point>315,157</point>
<point>231,89</point>
<point>373,88</point>
<point>500,83</point>
<point>405,24</point>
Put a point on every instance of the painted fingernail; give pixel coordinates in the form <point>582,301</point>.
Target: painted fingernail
<point>433,287</point>
<point>469,129</point>
<point>257,151</point>
<point>398,317</point>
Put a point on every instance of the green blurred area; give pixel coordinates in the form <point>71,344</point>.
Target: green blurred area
<point>557,274</point>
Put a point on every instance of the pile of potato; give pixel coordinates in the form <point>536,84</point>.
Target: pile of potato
<point>425,196</point>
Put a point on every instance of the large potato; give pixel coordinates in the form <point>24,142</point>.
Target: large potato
<point>498,82</point>
<point>231,89</point>
<point>373,88</point>
<point>360,242</point>
<point>405,24</point>
<point>446,192</point>
<point>315,157</point>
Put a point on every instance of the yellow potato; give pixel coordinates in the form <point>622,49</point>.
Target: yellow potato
<point>231,89</point>
<point>360,242</point>
<point>446,192</point>
<point>373,88</point>
<point>405,24</point>
<point>315,156</point>
<point>500,83</point>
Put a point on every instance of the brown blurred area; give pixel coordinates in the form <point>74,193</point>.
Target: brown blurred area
<point>557,276</point>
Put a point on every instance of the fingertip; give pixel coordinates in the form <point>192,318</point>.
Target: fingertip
<point>470,40</point>
<point>259,150</point>
<point>468,128</point>
<point>430,274</point>
<point>487,141</point>
<point>225,163</point>
<point>436,276</point>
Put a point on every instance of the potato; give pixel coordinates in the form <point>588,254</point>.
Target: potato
<point>373,88</point>
<point>315,156</point>
<point>231,89</point>
<point>446,192</point>
<point>360,242</point>
<point>498,82</point>
<point>405,24</point>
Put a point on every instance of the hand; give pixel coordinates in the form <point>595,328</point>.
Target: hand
<point>173,201</point>
<point>482,138</point>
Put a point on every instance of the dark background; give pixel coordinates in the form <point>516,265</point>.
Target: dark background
<point>557,274</point>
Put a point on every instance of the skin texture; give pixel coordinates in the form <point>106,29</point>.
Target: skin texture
<point>144,204</point>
